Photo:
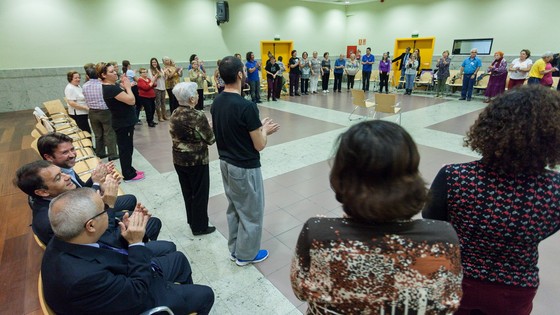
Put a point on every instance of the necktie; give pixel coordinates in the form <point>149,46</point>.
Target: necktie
<point>122,251</point>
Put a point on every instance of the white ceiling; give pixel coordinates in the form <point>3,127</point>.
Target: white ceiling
<point>342,2</point>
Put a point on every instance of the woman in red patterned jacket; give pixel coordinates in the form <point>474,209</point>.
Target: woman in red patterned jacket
<point>377,259</point>
<point>503,205</point>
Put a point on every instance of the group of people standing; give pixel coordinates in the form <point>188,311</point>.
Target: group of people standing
<point>304,73</point>
<point>476,249</point>
<point>111,103</point>
<point>519,70</point>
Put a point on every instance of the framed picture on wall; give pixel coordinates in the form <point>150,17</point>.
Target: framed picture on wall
<point>464,46</point>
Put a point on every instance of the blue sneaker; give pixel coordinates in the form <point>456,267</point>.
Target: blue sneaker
<point>261,255</point>
<point>232,257</point>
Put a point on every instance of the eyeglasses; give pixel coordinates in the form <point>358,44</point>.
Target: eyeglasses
<point>95,216</point>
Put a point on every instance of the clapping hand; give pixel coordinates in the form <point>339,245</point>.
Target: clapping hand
<point>133,227</point>
<point>269,126</point>
<point>110,190</point>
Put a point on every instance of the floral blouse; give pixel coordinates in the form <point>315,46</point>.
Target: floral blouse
<point>344,266</point>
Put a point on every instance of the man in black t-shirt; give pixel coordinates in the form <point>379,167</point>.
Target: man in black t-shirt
<point>240,135</point>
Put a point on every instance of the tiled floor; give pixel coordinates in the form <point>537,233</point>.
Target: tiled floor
<point>295,166</point>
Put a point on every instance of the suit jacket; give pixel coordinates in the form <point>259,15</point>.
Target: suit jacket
<point>81,279</point>
<point>80,183</point>
<point>41,224</point>
<point>401,58</point>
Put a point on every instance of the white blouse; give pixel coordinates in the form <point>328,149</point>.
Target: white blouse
<point>74,93</point>
<point>520,75</point>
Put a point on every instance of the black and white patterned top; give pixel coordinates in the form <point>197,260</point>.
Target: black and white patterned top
<point>500,219</point>
<point>343,266</point>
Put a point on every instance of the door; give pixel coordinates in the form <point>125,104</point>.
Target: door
<point>424,44</point>
<point>277,48</point>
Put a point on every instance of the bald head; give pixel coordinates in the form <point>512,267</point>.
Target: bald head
<point>69,212</point>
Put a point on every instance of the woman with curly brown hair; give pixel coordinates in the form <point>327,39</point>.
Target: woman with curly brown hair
<point>377,260</point>
<point>503,205</point>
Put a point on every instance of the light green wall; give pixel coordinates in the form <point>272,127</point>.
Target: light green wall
<point>514,25</point>
<point>68,33</point>
<point>57,33</point>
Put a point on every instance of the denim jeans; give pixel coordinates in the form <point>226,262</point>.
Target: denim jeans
<point>410,81</point>
<point>255,90</point>
<point>468,85</point>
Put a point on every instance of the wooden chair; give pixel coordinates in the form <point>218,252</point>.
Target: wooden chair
<point>358,78</point>
<point>40,129</point>
<point>35,133</point>
<point>72,131</point>
<point>555,82</point>
<point>48,311</point>
<point>207,92</point>
<point>286,87</point>
<point>482,84</point>
<point>425,80</point>
<point>55,107</point>
<point>33,146</point>
<point>454,82</point>
<point>38,241</point>
<point>374,79</point>
<point>44,307</point>
<point>359,100</point>
<point>387,104</point>
<point>56,118</point>
<point>83,168</point>
<point>59,123</point>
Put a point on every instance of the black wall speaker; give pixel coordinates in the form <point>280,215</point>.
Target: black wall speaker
<point>222,12</point>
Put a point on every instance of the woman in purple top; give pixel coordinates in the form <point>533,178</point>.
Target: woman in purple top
<point>384,69</point>
<point>498,75</point>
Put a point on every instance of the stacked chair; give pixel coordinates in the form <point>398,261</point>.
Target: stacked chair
<point>57,120</point>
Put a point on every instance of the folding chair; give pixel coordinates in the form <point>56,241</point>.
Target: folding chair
<point>387,103</point>
<point>359,100</point>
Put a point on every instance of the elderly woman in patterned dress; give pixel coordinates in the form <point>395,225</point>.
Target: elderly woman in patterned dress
<point>191,135</point>
<point>503,205</point>
<point>498,74</point>
<point>377,259</point>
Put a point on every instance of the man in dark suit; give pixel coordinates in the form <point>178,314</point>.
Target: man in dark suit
<point>82,276</point>
<point>42,181</point>
<point>58,148</point>
<point>403,58</point>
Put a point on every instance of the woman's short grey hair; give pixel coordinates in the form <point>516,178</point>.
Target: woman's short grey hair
<point>184,91</point>
<point>69,212</point>
<point>547,54</point>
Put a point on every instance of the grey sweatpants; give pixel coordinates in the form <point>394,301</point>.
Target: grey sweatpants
<point>245,192</point>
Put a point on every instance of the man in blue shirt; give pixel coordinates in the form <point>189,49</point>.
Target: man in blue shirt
<point>339,65</point>
<point>367,61</point>
<point>469,69</point>
<point>253,78</point>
